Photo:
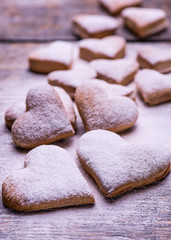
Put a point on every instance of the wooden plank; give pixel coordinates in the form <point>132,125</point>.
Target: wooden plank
<point>143,213</point>
<point>46,20</point>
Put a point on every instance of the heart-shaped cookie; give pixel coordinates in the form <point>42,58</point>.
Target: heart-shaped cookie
<point>111,47</point>
<point>71,79</point>
<point>118,166</point>
<point>102,108</point>
<point>16,110</point>
<point>145,21</point>
<point>153,86</point>
<point>49,179</point>
<point>56,56</point>
<point>94,26</point>
<point>121,71</point>
<point>155,58</point>
<point>116,6</point>
<point>45,120</point>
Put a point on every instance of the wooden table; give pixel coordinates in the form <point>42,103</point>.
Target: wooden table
<point>143,213</point>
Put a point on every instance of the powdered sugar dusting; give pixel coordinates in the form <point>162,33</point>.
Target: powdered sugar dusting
<point>153,55</point>
<point>15,111</point>
<point>144,16</point>
<point>115,70</point>
<point>152,81</point>
<point>50,174</point>
<point>108,46</point>
<point>68,104</point>
<point>114,6</point>
<point>116,162</point>
<point>59,51</point>
<point>44,120</point>
<point>96,23</point>
<point>71,78</point>
<point>101,109</point>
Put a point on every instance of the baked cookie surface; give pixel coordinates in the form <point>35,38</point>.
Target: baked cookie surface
<point>111,47</point>
<point>50,179</point>
<point>102,108</point>
<point>45,120</point>
<point>116,6</point>
<point>118,166</point>
<point>120,71</point>
<point>145,21</point>
<point>154,87</point>
<point>155,58</point>
<point>94,26</point>
<point>16,110</point>
<point>56,56</point>
<point>71,79</point>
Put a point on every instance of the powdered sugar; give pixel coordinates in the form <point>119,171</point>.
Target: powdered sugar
<point>152,81</point>
<point>59,51</point>
<point>13,112</point>
<point>45,119</point>
<point>111,89</point>
<point>116,162</point>
<point>142,17</point>
<point>49,175</point>
<point>115,6</point>
<point>153,86</point>
<point>115,71</point>
<point>71,79</point>
<point>154,55</point>
<point>108,46</point>
<point>16,110</point>
<point>101,109</point>
<point>96,23</point>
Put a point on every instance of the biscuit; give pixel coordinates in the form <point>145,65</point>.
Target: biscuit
<point>94,26</point>
<point>50,179</point>
<point>16,110</point>
<point>116,6</point>
<point>57,56</point>
<point>71,79</point>
<point>118,166</point>
<point>45,120</point>
<point>145,21</point>
<point>121,71</point>
<point>111,47</point>
<point>101,108</point>
<point>155,58</point>
<point>154,87</point>
<point>13,112</point>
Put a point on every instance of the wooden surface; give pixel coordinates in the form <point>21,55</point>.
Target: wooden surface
<point>44,20</point>
<point>143,213</point>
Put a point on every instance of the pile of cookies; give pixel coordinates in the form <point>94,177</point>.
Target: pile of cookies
<point>106,105</point>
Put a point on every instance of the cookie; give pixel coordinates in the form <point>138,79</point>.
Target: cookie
<point>50,179</point>
<point>13,112</point>
<point>118,166</point>
<point>94,26</point>
<point>155,58</point>
<point>121,71</point>
<point>145,21</point>
<point>16,110</point>
<point>116,6</point>
<point>57,56</point>
<point>101,108</point>
<point>45,120</point>
<point>71,79</point>
<point>111,47</point>
<point>154,87</point>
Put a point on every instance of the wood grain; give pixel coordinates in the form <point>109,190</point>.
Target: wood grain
<point>46,20</point>
<point>143,213</point>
